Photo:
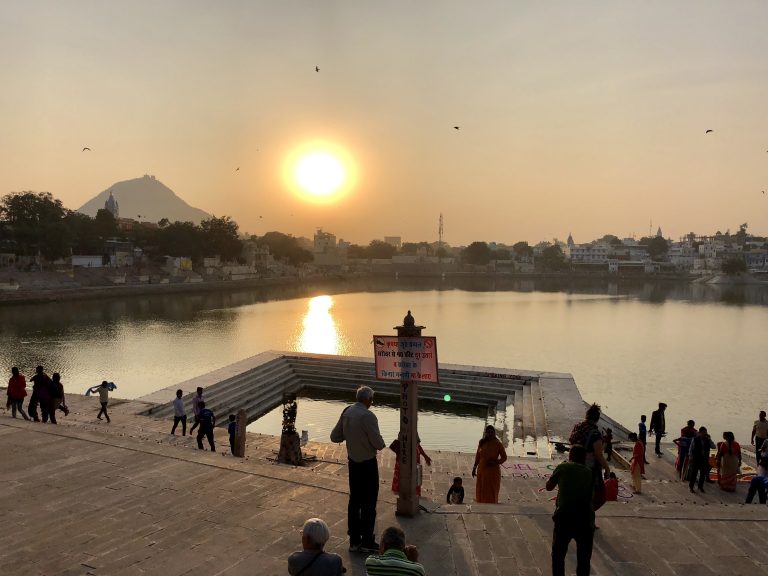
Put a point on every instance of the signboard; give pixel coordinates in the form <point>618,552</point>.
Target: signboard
<point>412,359</point>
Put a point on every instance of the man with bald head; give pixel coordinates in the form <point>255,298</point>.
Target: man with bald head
<point>359,427</point>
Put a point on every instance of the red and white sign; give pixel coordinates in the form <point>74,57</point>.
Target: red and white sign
<point>412,359</point>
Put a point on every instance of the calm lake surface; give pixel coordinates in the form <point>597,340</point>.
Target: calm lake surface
<point>700,349</point>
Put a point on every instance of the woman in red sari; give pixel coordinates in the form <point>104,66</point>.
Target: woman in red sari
<point>488,460</point>
<point>728,462</point>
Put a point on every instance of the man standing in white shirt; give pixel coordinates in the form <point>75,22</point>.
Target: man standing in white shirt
<point>179,414</point>
<point>759,432</point>
<point>359,427</point>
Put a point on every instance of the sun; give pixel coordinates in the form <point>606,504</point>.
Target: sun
<point>320,172</point>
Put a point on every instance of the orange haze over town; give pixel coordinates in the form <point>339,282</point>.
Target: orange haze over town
<point>516,120</point>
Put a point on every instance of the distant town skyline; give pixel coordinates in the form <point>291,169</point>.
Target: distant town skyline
<point>516,121</point>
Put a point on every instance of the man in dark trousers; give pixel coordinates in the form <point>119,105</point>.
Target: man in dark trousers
<point>699,459</point>
<point>359,427</point>
<point>574,518</point>
<point>41,394</point>
<point>207,421</point>
<point>658,426</point>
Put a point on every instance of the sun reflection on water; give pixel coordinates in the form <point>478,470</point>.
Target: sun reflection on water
<point>319,334</point>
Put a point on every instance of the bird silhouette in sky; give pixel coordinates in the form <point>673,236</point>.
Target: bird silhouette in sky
<point>237,169</point>
<point>455,127</point>
<point>86,148</point>
<point>708,131</point>
<point>317,69</point>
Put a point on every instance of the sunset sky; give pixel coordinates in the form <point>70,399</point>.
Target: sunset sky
<point>575,116</point>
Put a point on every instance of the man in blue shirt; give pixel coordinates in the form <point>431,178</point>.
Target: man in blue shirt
<point>207,422</point>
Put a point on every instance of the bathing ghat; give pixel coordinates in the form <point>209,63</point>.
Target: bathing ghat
<point>127,498</point>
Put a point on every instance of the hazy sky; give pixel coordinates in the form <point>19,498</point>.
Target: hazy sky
<point>576,116</point>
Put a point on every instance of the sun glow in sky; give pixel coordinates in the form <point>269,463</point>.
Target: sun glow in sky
<point>320,172</point>
<point>575,117</point>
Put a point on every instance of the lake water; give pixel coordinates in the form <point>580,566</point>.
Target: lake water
<point>700,349</point>
<point>442,426</point>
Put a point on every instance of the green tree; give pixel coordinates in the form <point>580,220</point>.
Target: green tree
<point>105,224</point>
<point>34,222</point>
<point>219,236</point>
<point>477,253</point>
<point>413,247</point>
<point>741,235</point>
<point>286,248</point>
<point>501,254</point>
<point>357,251</point>
<point>181,239</point>
<point>656,245</point>
<point>734,265</point>
<point>82,233</point>
<point>552,259</point>
<point>522,250</point>
<point>381,250</point>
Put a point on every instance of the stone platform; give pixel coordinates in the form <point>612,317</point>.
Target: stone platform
<point>127,498</point>
<point>528,408</point>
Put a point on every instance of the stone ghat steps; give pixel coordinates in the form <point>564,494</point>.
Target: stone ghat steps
<point>472,387</point>
<point>518,410</point>
<point>522,483</point>
<point>156,509</point>
<point>463,387</point>
<point>257,391</point>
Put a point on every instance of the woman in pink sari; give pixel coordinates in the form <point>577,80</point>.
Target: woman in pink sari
<point>728,462</point>
<point>637,464</point>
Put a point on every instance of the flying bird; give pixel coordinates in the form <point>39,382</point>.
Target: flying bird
<point>455,127</point>
<point>708,131</point>
<point>317,69</point>
<point>237,169</point>
<point>86,148</point>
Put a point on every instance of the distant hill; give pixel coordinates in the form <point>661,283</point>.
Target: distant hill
<point>147,197</point>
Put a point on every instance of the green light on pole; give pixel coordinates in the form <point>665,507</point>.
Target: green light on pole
<point>447,397</point>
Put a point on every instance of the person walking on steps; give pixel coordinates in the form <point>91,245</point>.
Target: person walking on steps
<point>196,399</point>
<point>17,391</point>
<point>658,426</point>
<point>103,390</point>
<point>41,394</point>
<point>179,414</point>
<point>207,421</point>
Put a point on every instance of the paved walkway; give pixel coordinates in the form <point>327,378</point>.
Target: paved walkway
<point>126,498</point>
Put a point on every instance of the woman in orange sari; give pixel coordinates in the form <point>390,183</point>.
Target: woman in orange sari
<point>728,462</point>
<point>488,460</point>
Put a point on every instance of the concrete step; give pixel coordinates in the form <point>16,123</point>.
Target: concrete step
<point>262,380</point>
<point>541,433</point>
